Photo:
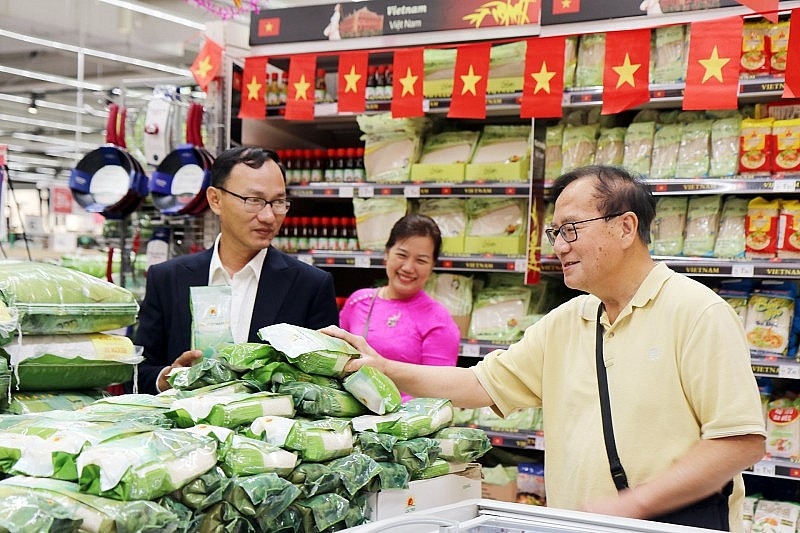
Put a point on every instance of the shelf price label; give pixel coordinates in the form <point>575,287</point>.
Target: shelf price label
<point>470,350</point>
<point>520,265</point>
<point>764,468</point>
<point>345,192</point>
<point>789,371</point>
<point>742,271</point>
<point>538,442</point>
<point>784,185</point>
<point>362,261</point>
<point>411,191</point>
<point>366,191</point>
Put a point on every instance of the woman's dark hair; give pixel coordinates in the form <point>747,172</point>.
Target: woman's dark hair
<point>252,156</point>
<point>616,191</point>
<point>416,225</point>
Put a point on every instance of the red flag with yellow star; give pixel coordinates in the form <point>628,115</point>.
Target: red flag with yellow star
<point>712,74</point>
<point>543,85</point>
<point>300,91</point>
<point>469,81</point>
<point>254,88</point>
<point>791,84</point>
<point>626,71</point>
<point>352,84</point>
<point>408,67</point>
<point>207,63</point>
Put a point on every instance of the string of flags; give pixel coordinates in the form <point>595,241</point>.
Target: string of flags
<point>712,74</point>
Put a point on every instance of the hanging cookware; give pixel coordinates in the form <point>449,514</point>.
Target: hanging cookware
<point>178,185</point>
<point>108,180</point>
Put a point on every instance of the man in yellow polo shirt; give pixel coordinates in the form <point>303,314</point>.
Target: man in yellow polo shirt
<point>685,407</point>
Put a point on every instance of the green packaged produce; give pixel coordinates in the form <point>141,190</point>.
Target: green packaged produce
<point>462,445</point>
<point>374,389</point>
<point>247,457</point>
<point>310,350</point>
<point>316,400</point>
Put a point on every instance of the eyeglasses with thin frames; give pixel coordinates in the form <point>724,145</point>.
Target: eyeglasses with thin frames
<point>254,204</point>
<point>569,231</point>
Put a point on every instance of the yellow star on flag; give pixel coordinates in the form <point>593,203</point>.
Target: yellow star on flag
<point>253,89</point>
<point>301,88</point>
<point>469,80</point>
<point>625,71</point>
<point>203,67</point>
<point>408,82</point>
<point>543,78</point>
<point>565,4</point>
<point>713,65</point>
<point>352,80</point>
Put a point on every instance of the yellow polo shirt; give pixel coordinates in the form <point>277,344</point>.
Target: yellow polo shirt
<point>678,371</point>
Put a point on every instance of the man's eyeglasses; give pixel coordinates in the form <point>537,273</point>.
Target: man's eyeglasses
<point>254,204</point>
<point>569,231</point>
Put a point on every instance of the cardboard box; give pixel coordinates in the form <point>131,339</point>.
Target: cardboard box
<point>514,171</point>
<point>504,493</point>
<point>427,494</point>
<point>448,173</point>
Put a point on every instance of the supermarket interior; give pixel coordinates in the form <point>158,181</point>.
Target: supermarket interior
<point>163,367</point>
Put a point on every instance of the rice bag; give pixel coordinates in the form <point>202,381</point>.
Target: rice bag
<point>375,218</point>
<point>502,144</point>
<point>223,436</point>
<point>38,402</point>
<point>440,467</point>
<point>310,350</point>
<point>97,514</point>
<point>591,57</point>
<point>376,445</point>
<point>639,147</point>
<point>314,440</point>
<point>416,454</point>
<point>730,237</point>
<point>462,445</point>
<point>374,389</point>
<point>393,476</point>
<point>449,147</point>
<point>211,318</point>
<point>694,150</point>
<point>702,221</point>
<point>315,400</point>
<point>247,457</point>
<point>315,478</point>
<point>145,466</point>
<point>416,418</point>
<point>553,140</point>
<point>498,314</point>
<point>578,146</point>
<point>724,147</point>
<point>355,470</point>
<point>229,411</point>
<point>670,54</point>
<point>668,225</point>
<point>204,372</point>
<point>206,490</point>
<point>610,146</point>
<point>244,356</point>
<point>322,511</point>
<point>666,143</point>
<point>265,495</point>
<point>32,512</point>
<point>272,375</point>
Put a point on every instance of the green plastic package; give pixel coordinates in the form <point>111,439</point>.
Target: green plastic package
<point>416,454</point>
<point>229,410</point>
<point>244,356</point>
<point>393,476</point>
<point>310,350</point>
<point>247,457</point>
<point>315,478</point>
<point>272,375</point>
<point>462,445</point>
<point>35,513</point>
<point>265,495</point>
<point>356,470</point>
<point>206,371</point>
<point>376,445</point>
<point>314,440</point>
<point>374,389</point>
<point>316,400</point>
<point>211,318</point>
<point>416,418</point>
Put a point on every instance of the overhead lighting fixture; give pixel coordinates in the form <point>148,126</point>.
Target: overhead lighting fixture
<point>48,124</point>
<point>157,13</point>
<point>53,140</point>
<point>61,80</point>
<point>32,109</point>
<point>85,110</point>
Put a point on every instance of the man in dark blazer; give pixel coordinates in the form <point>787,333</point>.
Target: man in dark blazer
<point>248,193</point>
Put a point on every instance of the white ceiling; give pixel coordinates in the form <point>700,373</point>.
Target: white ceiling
<point>70,35</point>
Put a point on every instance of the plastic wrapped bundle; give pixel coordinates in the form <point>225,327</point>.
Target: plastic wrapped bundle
<point>229,410</point>
<point>145,466</point>
<point>416,418</point>
<point>316,400</point>
<point>376,445</point>
<point>272,375</point>
<point>31,512</point>
<point>97,514</point>
<point>56,300</point>
<point>203,492</point>
<point>247,457</point>
<point>322,511</point>
<point>262,496</point>
<point>355,470</point>
<point>374,389</point>
<point>207,371</point>
<point>315,478</point>
<point>310,350</point>
<point>416,454</point>
<point>244,356</point>
<point>393,476</point>
<point>462,445</point>
<point>314,440</point>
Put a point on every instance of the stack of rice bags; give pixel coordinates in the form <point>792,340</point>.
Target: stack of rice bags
<point>259,437</point>
<point>51,324</point>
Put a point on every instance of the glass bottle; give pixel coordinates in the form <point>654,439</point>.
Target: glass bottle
<point>313,233</point>
<point>359,174</point>
<point>334,235</point>
<point>388,90</point>
<point>349,162</point>
<point>316,165</point>
<point>330,164</point>
<point>380,82</point>
<point>284,83</point>
<point>303,233</point>
<point>305,166</point>
<point>273,96</point>
<point>369,92</point>
<point>338,171</point>
<point>321,89</point>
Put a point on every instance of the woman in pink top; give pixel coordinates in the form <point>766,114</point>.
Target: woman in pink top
<point>400,320</point>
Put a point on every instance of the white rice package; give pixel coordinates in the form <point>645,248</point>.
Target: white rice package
<point>374,389</point>
<point>310,350</point>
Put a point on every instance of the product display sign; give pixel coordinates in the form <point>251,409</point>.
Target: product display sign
<point>564,11</point>
<point>347,20</point>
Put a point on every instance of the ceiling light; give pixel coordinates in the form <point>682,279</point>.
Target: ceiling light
<point>32,109</point>
<point>85,110</point>
<point>157,13</point>
<point>53,140</point>
<point>47,123</point>
<point>61,80</point>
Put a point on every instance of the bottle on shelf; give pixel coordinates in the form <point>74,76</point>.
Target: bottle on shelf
<point>349,164</point>
<point>317,164</point>
<point>334,235</point>
<point>292,233</point>
<point>284,83</point>
<point>359,175</point>
<point>388,91</point>
<point>338,171</point>
<point>313,233</point>
<point>380,82</point>
<point>352,236</point>
<point>330,164</point>
<point>289,166</point>
<point>281,240</point>
<point>305,166</point>
<point>321,88</point>
<point>303,233</point>
<point>369,92</point>
<point>273,91</point>
<point>323,237</point>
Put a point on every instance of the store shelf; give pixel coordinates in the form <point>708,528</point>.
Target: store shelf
<point>775,468</point>
<point>775,367</point>
<point>409,190</point>
<point>473,348</point>
<point>508,438</point>
<point>474,263</point>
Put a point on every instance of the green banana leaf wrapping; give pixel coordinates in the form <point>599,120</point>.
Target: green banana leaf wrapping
<point>376,445</point>
<point>314,478</point>
<point>265,496</point>
<point>145,466</point>
<point>98,514</point>
<point>355,470</point>
<point>244,356</point>
<point>416,454</point>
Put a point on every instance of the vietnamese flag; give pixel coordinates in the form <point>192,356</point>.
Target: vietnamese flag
<point>767,8</point>
<point>207,63</point>
<point>469,81</point>
<point>791,84</point>
<point>254,88</point>
<point>543,85</point>
<point>562,7</point>
<point>712,75</point>
<point>409,68</point>
<point>626,71</point>
<point>352,84</point>
<point>300,90</point>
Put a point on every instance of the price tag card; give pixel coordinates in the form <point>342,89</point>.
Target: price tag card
<point>306,258</point>
<point>411,191</point>
<point>784,185</point>
<point>367,191</point>
<point>362,261</point>
<point>789,371</point>
<point>470,350</point>
<point>538,442</point>
<point>326,109</point>
<point>764,468</point>
<point>520,265</point>
<point>345,192</point>
<point>743,271</point>
<point>426,105</point>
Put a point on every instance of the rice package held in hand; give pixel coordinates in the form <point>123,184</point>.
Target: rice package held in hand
<point>211,318</point>
<point>462,445</point>
<point>310,350</point>
<point>244,356</point>
<point>316,400</point>
<point>206,371</point>
<point>97,514</point>
<point>229,410</point>
<point>374,389</point>
<point>416,418</point>
<point>145,466</point>
<point>247,457</point>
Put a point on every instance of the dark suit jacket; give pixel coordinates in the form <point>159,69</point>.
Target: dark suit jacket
<point>289,291</point>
